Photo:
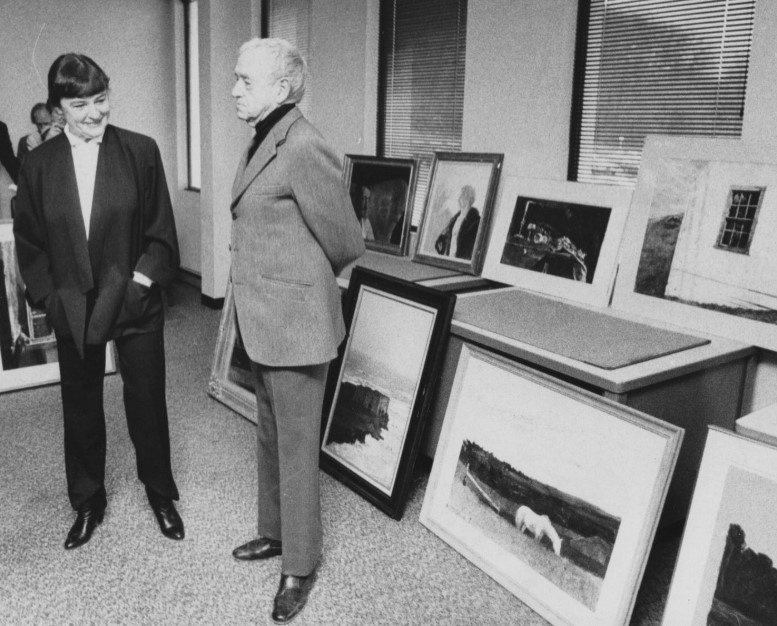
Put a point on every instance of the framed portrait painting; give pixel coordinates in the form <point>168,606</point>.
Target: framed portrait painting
<point>382,191</point>
<point>455,224</point>
<point>231,380</point>
<point>551,490</point>
<point>725,570</point>
<point>558,238</point>
<point>381,388</point>
<point>28,348</point>
<point>699,250</point>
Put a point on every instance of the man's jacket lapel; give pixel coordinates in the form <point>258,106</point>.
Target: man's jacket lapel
<point>265,153</point>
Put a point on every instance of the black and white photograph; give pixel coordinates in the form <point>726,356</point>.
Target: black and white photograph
<point>558,238</point>
<point>725,571</point>
<point>382,385</point>
<point>426,305</point>
<point>554,493</point>
<point>382,192</point>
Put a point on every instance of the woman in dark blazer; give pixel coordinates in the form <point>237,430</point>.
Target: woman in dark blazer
<point>96,242</point>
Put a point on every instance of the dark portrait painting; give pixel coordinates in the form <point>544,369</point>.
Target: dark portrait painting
<point>381,191</point>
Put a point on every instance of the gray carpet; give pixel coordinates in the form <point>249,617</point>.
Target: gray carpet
<point>374,570</point>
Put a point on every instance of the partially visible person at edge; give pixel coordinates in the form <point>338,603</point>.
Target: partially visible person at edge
<point>96,244</point>
<point>7,157</point>
<point>294,229</point>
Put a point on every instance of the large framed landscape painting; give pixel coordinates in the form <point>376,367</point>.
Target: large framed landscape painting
<point>551,490</point>
<point>699,244</point>
<point>28,348</point>
<point>725,572</point>
<point>231,380</point>
<point>381,388</point>
<point>457,212</point>
<point>558,238</point>
<point>382,192</point>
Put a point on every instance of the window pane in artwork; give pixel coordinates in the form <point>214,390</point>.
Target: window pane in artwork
<point>739,223</point>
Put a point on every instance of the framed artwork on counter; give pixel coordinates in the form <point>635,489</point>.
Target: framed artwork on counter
<point>382,191</point>
<point>457,212</point>
<point>558,238</point>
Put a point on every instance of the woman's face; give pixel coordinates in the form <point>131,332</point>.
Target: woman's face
<point>86,117</point>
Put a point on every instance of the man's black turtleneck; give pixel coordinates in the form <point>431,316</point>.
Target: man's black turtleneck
<point>264,126</point>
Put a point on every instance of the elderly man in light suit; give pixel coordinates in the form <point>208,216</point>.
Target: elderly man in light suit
<point>294,229</point>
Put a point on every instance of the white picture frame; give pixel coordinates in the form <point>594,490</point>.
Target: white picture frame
<point>594,473</point>
<point>558,238</point>
<point>730,524</point>
<point>28,348</point>
<point>680,264</point>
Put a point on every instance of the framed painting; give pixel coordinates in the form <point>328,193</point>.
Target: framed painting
<point>383,385</point>
<point>725,570</point>
<point>382,191</point>
<point>551,490</point>
<point>231,380</point>
<point>457,212</point>
<point>698,250</point>
<point>28,348</point>
<point>558,238</point>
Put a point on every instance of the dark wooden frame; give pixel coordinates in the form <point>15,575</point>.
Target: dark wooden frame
<point>374,165</point>
<point>364,284</point>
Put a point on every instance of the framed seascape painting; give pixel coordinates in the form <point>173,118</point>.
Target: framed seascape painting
<point>231,381</point>
<point>457,212</point>
<point>558,238</point>
<point>382,191</point>
<point>725,570</point>
<point>553,491</point>
<point>382,387</point>
<point>28,348</point>
<point>698,250</point>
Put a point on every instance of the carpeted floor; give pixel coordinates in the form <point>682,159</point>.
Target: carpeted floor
<point>375,570</point>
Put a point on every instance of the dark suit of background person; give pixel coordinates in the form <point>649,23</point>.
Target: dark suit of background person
<point>468,228</point>
<point>90,291</point>
<point>294,229</point>
<point>465,241</point>
<point>7,157</point>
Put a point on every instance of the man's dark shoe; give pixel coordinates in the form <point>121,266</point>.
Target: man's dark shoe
<point>261,548</point>
<point>292,595</point>
<point>170,523</point>
<point>81,531</point>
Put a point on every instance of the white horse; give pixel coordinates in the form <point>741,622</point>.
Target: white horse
<point>538,525</point>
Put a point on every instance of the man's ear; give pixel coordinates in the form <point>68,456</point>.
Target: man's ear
<point>283,89</point>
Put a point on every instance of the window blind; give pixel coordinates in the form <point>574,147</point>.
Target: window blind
<point>290,20</point>
<point>676,67</point>
<point>421,82</point>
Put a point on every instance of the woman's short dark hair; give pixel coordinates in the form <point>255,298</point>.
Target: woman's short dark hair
<point>75,76</point>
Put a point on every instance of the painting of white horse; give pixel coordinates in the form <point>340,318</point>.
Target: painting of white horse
<point>538,525</point>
